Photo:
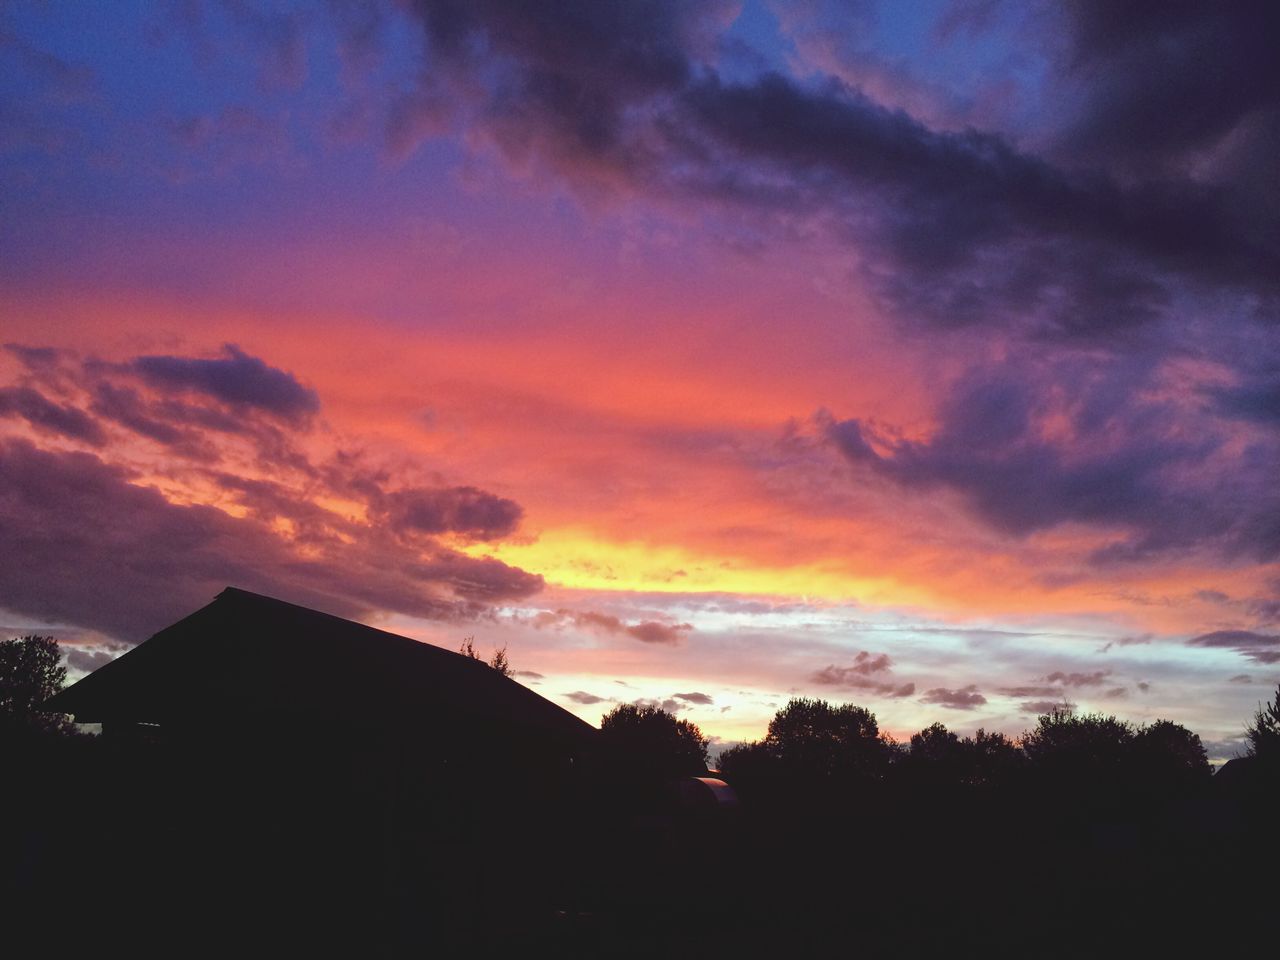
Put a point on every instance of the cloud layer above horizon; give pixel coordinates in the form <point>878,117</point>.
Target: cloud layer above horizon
<point>702,353</point>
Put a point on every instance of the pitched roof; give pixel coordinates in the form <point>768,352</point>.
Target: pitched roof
<point>249,655</point>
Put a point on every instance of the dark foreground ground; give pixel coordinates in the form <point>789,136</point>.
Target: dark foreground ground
<point>114,854</point>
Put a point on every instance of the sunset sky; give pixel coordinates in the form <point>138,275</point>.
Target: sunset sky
<point>918,355</point>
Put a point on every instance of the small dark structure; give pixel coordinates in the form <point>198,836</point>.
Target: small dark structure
<point>314,764</point>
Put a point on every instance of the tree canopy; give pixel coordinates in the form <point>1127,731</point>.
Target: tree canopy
<point>1264,732</point>
<point>654,741</point>
<point>815,738</point>
<point>31,672</point>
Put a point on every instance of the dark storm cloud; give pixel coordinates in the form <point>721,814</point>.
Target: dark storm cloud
<point>463,510</point>
<point>965,698</point>
<point>1258,647</point>
<point>1163,82</point>
<point>989,448</point>
<point>49,417</point>
<point>1077,247</point>
<point>956,228</point>
<point>572,69</point>
<point>236,378</point>
<point>87,546</point>
<point>1122,462</point>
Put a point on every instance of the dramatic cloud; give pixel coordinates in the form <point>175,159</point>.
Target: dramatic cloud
<point>959,227</point>
<point>1258,647</point>
<point>49,417</point>
<point>965,698</point>
<point>88,546</point>
<point>1176,87</point>
<point>463,510</point>
<point>235,378</point>
<point>1028,255</point>
<point>1107,460</point>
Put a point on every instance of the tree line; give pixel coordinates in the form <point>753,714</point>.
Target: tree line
<point>817,743</point>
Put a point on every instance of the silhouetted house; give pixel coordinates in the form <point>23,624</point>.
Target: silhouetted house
<point>349,758</point>
<point>252,664</point>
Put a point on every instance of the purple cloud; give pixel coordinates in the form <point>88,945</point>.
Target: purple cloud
<point>965,698</point>
<point>87,546</point>
<point>49,417</point>
<point>463,510</point>
<point>1258,647</point>
<point>701,699</point>
<point>236,378</point>
<point>586,699</point>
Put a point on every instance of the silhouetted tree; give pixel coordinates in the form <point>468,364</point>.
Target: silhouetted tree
<point>1087,749</point>
<point>653,742</point>
<point>1166,754</point>
<point>936,755</point>
<point>1264,732</point>
<point>814,738</point>
<point>31,672</point>
<point>748,761</point>
<point>991,758</point>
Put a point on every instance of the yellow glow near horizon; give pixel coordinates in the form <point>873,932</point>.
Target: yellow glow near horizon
<point>559,555</point>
